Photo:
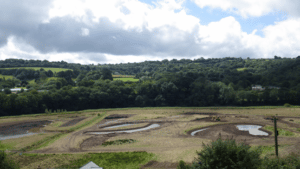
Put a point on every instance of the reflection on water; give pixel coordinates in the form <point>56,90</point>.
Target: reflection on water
<point>253,129</point>
<point>117,126</point>
<point>194,132</point>
<point>15,136</point>
<point>128,131</point>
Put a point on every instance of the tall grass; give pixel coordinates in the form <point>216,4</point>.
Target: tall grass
<point>281,132</point>
<point>132,160</point>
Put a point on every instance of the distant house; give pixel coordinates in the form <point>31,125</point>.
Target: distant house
<point>91,165</point>
<point>257,87</point>
<point>16,90</point>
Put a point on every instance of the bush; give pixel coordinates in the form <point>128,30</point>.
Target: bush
<point>227,154</point>
<point>7,163</point>
<point>7,91</point>
<point>291,161</point>
<point>287,105</point>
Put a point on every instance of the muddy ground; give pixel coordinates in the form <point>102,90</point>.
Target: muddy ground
<point>13,128</point>
<point>72,122</point>
<point>170,135</point>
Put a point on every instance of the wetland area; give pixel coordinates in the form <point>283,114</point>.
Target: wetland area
<point>171,134</point>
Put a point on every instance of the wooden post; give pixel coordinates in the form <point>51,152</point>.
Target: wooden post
<point>275,133</point>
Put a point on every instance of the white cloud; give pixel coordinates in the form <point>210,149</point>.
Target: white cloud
<point>256,8</point>
<point>137,31</point>
<point>282,38</point>
<point>85,32</point>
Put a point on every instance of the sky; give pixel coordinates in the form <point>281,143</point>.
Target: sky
<point>122,31</point>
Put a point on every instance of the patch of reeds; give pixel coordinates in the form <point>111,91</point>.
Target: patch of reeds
<point>118,142</point>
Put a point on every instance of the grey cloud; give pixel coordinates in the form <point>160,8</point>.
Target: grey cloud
<point>64,34</point>
<point>19,17</point>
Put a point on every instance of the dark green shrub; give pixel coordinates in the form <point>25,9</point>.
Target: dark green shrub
<point>118,142</point>
<point>7,163</point>
<point>182,165</point>
<point>7,91</point>
<point>227,154</point>
<point>287,105</point>
<point>290,162</point>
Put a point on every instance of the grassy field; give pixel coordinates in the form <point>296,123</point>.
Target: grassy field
<point>132,160</point>
<point>169,143</point>
<point>127,79</point>
<point>124,76</point>
<point>241,69</point>
<point>6,76</point>
<point>45,68</point>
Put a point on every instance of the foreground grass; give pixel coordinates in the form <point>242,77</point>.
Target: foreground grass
<point>132,160</point>
<point>281,132</point>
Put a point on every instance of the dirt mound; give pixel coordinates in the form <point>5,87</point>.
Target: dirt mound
<point>193,113</point>
<point>95,141</point>
<point>118,116</point>
<point>155,164</point>
<point>209,119</point>
<point>72,122</point>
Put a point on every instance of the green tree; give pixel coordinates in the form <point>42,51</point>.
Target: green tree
<point>7,91</point>
<point>227,155</point>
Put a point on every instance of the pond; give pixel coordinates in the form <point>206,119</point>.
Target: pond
<point>15,136</point>
<point>128,131</point>
<point>194,132</point>
<point>253,129</point>
<point>21,129</point>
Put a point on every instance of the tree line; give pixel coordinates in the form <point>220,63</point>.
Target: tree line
<point>201,82</point>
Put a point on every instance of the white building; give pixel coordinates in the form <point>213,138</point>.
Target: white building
<point>91,165</point>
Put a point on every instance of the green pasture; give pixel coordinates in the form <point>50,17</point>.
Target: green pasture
<point>133,160</point>
<point>127,79</point>
<point>241,69</point>
<point>123,76</point>
<point>45,68</point>
<point>6,76</point>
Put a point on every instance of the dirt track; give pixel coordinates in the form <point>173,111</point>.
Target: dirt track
<point>169,136</point>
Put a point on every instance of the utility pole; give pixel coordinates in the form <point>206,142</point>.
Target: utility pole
<point>275,133</point>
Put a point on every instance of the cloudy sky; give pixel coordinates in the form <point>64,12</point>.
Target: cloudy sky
<point>115,31</point>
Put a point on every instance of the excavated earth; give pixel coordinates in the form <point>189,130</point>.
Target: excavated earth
<point>72,122</point>
<point>84,141</point>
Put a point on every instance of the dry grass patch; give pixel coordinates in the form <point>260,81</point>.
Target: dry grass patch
<point>56,125</point>
<point>271,112</point>
<point>19,143</point>
<point>191,117</point>
<point>30,161</point>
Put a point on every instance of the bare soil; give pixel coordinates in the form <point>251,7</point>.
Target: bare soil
<point>118,116</point>
<point>72,122</point>
<point>159,165</point>
<point>13,128</point>
<point>169,139</point>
